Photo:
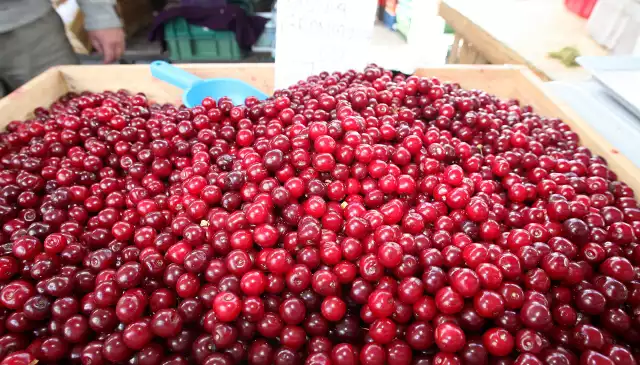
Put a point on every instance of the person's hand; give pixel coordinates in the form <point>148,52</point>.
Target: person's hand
<point>109,42</point>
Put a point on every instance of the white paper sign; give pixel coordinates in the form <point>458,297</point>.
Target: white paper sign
<point>321,35</point>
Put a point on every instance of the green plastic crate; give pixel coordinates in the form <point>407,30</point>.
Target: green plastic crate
<point>188,42</point>
<point>448,29</point>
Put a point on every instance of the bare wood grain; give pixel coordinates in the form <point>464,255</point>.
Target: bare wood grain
<point>522,33</point>
<point>43,90</point>
<point>454,53</point>
<point>138,78</point>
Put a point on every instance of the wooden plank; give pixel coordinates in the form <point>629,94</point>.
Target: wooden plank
<point>480,59</point>
<point>138,78</point>
<point>468,53</point>
<point>522,33</point>
<point>454,53</point>
<point>491,48</point>
<point>43,90</point>
<point>464,53</point>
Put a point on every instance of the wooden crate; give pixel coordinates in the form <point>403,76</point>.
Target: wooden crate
<point>504,81</point>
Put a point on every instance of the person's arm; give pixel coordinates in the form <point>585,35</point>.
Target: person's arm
<point>104,28</point>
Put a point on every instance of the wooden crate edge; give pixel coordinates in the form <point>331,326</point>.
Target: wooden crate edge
<point>186,66</point>
<point>42,90</point>
<point>259,75</point>
<point>626,170</point>
<point>461,24</point>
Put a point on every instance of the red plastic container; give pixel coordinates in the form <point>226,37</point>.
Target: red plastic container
<point>580,7</point>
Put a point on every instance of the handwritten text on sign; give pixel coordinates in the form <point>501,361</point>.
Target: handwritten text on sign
<point>321,35</point>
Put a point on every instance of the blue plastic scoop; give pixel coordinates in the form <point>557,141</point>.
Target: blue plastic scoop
<point>196,89</point>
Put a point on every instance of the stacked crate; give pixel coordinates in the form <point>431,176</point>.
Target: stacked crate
<point>190,42</point>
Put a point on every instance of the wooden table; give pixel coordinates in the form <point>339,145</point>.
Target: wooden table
<point>521,32</point>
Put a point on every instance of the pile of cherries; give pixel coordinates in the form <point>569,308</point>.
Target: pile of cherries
<point>353,218</point>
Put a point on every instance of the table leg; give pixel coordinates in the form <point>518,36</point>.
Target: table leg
<point>455,49</point>
<point>470,55</point>
<point>466,53</point>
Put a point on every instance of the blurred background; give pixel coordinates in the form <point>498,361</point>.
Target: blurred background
<point>182,39</point>
<point>546,35</point>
